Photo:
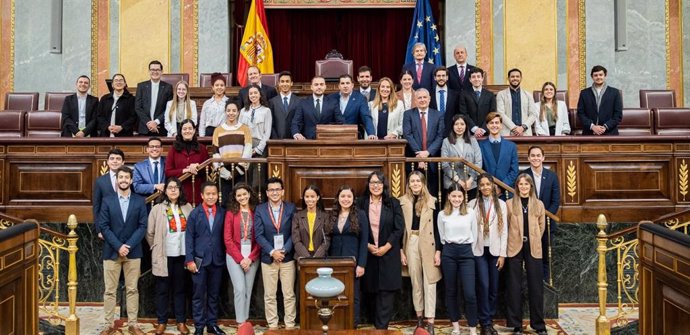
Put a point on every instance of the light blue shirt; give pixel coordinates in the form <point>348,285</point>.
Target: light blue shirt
<point>124,205</point>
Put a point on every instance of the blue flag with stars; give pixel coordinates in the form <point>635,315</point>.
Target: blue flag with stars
<point>424,30</point>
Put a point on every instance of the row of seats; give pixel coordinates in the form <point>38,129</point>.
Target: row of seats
<point>636,122</point>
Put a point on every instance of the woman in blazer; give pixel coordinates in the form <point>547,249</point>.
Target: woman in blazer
<point>421,250</point>
<point>184,156</point>
<point>349,235</point>
<point>459,143</point>
<point>242,251</point>
<point>388,109</point>
<point>490,250</point>
<point>382,278</point>
<point>553,113</point>
<point>309,238</point>
<point>181,107</point>
<point>120,103</point>
<point>525,229</point>
<point>166,236</point>
<point>406,93</point>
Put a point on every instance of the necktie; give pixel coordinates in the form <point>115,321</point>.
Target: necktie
<point>419,72</point>
<point>423,121</point>
<point>285,104</point>
<point>113,180</point>
<point>478,93</point>
<point>442,103</point>
<point>155,173</point>
<point>462,74</point>
<point>318,109</point>
<point>210,218</point>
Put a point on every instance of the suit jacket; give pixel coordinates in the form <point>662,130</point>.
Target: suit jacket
<point>412,130</point>
<point>232,233</point>
<point>267,91</point>
<point>143,182</point>
<point>320,237</point>
<point>125,115</point>
<point>383,272</point>
<point>528,111</point>
<point>470,152</point>
<point>477,110</point>
<point>102,188</point>
<point>350,243</point>
<point>550,190</point>
<point>305,119</point>
<point>372,94</point>
<point>117,230</point>
<point>497,241</point>
<point>506,168</point>
<point>516,228</point>
<point>282,119</point>
<point>70,116</point>
<point>200,241</point>
<point>395,119</point>
<point>452,106</point>
<point>265,230</point>
<point>562,124</point>
<point>427,75</point>
<point>609,113</point>
<point>454,78</point>
<point>356,111</point>
<point>429,240</point>
<point>143,106</point>
<point>156,233</point>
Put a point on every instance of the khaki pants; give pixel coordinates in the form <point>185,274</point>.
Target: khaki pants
<point>423,293</point>
<point>270,274</point>
<point>111,276</point>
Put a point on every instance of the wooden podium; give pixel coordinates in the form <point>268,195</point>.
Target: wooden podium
<point>344,314</point>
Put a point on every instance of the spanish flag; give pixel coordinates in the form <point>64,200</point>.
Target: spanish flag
<point>255,49</point>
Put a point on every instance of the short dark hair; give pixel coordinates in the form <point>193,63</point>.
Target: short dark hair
<point>275,180</point>
<point>345,75</point>
<point>84,76</point>
<point>208,184</point>
<point>514,70</point>
<point>535,147</point>
<point>117,151</point>
<point>598,68</point>
<point>317,77</point>
<point>154,138</point>
<point>440,68</point>
<point>125,169</point>
<point>215,76</point>
<point>477,70</point>
<point>285,73</point>
<point>363,68</point>
<point>155,62</point>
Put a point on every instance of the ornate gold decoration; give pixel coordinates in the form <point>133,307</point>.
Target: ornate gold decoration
<point>582,41</point>
<point>11,60</point>
<point>396,178</point>
<point>195,69</point>
<point>683,179</point>
<point>276,171</point>
<point>571,180</point>
<point>477,30</point>
<point>667,40</point>
<point>94,46</point>
<point>104,168</point>
<point>602,322</point>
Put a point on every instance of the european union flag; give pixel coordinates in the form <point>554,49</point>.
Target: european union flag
<point>424,30</point>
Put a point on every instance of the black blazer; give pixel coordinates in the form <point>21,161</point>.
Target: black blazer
<point>349,243</point>
<point>610,112</point>
<point>125,115</point>
<point>383,273</point>
<point>476,110</point>
<point>102,188</point>
<point>282,119</point>
<point>143,106</point>
<point>305,120</point>
<point>452,107</point>
<point>267,91</point>
<point>454,78</point>
<point>70,116</point>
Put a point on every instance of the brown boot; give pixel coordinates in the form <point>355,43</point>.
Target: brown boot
<point>134,330</point>
<point>182,328</point>
<point>160,329</point>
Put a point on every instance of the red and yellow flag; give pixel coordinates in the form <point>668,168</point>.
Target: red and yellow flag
<point>255,49</point>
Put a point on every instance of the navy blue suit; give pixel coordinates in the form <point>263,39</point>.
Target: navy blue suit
<point>101,189</point>
<point>118,230</point>
<point>609,113</point>
<point>143,182</point>
<point>506,168</point>
<point>305,119</point>
<point>427,75</point>
<point>264,230</point>
<point>454,81</point>
<point>550,195</point>
<point>412,130</point>
<point>452,106</point>
<point>202,242</point>
<point>356,112</point>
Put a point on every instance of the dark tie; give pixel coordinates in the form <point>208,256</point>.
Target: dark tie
<point>285,104</point>
<point>423,121</point>
<point>478,93</point>
<point>155,172</point>
<point>210,218</point>
<point>462,74</point>
<point>318,109</point>
<point>442,103</point>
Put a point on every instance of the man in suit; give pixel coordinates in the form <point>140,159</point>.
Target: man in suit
<point>353,107</point>
<point>149,174</point>
<point>499,156</point>
<point>254,78</point>
<point>364,79</point>
<point>106,184</point>
<point>205,259</point>
<point>423,71</point>
<point>273,232</point>
<point>314,110</point>
<point>424,131</point>
<point>79,111</point>
<point>477,103</point>
<point>283,107</point>
<point>600,107</point>
<point>459,73</point>
<point>444,99</point>
<point>122,220</point>
<point>549,192</point>
<point>149,104</point>
<point>516,107</point>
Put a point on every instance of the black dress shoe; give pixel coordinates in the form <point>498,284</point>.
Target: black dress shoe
<point>199,331</point>
<point>517,331</point>
<point>490,330</point>
<point>214,330</point>
<point>420,322</point>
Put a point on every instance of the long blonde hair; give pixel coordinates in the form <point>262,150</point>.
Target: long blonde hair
<point>479,204</point>
<point>554,103</point>
<point>392,97</point>
<point>172,115</point>
<point>424,197</point>
<point>517,204</point>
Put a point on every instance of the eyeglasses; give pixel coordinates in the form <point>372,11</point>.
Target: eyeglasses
<point>376,183</point>
<point>172,188</point>
<point>274,190</point>
<point>155,146</point>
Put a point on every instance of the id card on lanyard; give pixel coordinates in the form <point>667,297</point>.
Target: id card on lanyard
<point>246,243</point>
<point>278,239</point>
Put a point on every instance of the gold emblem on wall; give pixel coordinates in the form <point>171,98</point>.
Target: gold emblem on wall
<point>683,179</point>
<point>396,184</point>
<point>275,172</point>
<point>104,168</point>
<point>571,180</point>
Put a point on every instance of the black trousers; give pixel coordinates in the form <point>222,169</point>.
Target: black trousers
<point>457,264</point>
<point>206,285</point>
<point>175,283</point>
<point>535,289</point>
<point>383,306</point>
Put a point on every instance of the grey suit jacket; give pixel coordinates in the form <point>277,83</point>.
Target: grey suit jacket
<point>282,119</point>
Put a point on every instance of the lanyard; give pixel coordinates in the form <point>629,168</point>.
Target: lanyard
<point>245,225</point>
<point>488,215</point>
<point>280,217</point>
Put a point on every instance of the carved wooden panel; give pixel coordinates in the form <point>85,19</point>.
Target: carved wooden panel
<point>10,315</point>
<point>49,181</point>
<point>329,180</point>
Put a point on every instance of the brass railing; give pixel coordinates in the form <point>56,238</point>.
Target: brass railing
<point>52,245</point>
<point>624,245</point>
